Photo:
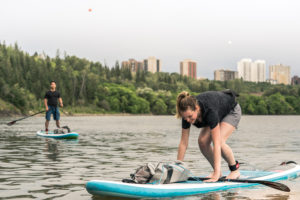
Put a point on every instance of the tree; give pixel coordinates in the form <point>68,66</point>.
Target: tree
<point>277,105</point>
<point>159,107</point>
<point>24,79</point>
<point>261,108</point>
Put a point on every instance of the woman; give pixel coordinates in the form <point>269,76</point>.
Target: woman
<point>218,114</point>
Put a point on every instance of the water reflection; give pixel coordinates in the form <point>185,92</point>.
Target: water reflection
<point>109,198</point>
<point>209,196</point>
<point>52,148</point>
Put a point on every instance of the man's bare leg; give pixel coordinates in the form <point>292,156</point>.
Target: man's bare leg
<point>57,124</point>
<point>46,125</point>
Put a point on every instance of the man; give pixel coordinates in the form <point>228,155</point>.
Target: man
<point>50,101</point>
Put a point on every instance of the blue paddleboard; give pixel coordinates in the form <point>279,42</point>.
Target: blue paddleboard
<point>51,134</point>
<point>120,189</point>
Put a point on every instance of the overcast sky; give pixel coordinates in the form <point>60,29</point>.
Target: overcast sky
<point>216,34</point>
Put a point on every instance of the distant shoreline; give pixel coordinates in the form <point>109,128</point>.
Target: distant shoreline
<point>106,114</point>
<point>14,115</point>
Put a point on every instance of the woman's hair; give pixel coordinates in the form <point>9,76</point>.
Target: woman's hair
<point>184,102</point>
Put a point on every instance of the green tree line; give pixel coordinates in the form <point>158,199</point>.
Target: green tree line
<point>91,87</point>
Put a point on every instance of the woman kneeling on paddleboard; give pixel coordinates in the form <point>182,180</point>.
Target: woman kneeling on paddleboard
<point>218,114</point>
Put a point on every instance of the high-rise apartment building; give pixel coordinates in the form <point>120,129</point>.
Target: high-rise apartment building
<point>244,69</point>
<point>152,65</point>
<point>252,71</point>
<point>280,74</point>
<point>225,75</point>
<point>260,66</point>
<point>133,65</point>
<point>188,68</point>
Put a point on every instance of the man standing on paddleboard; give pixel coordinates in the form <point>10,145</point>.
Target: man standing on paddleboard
<point>218,114</point>
<point>50,101</point>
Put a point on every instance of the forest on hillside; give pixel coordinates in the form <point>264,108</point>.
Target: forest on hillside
<point>91,87</point>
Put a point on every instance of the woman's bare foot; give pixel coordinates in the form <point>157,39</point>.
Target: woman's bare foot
<point>234,175</point>
<point>211,175</point>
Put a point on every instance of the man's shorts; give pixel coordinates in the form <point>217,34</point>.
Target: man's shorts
<point>54,111</point>
<point>234,116</point>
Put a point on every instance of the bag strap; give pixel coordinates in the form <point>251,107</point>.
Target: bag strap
<point>169,174</point>
<point>66,127</point>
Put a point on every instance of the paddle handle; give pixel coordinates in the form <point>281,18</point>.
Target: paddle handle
<point>14,121</point>
<point>30,115</point>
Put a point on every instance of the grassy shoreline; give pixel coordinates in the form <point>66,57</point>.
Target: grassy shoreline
<point>14,115</point>
<point>7,110</point>
<point>10,114</point>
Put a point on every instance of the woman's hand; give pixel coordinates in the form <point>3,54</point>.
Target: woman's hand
<point>183,144</point>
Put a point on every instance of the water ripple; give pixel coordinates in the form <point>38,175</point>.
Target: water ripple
<point>111,147</point>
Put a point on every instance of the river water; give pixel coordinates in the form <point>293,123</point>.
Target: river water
<point>111,147</point>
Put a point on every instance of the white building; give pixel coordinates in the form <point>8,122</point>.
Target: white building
<point>244,69</point>
<point>260,65</point>
<point>252,71</point>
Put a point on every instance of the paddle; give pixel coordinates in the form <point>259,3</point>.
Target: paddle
<point>275,185</point>
<point>13,122</point>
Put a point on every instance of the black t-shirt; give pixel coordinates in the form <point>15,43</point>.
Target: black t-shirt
<point>52,97</point>
<point>214,107</point>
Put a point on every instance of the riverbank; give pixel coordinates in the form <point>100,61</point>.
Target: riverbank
<point>7,109</point>
<point>11,113</point>
<point>15,114</point>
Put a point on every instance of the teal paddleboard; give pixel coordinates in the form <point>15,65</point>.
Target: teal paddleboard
<point>51,134</point>
<point>120,189</point>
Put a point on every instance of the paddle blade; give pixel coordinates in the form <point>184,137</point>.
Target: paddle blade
<point>11,123</point>
<point>275,185</point>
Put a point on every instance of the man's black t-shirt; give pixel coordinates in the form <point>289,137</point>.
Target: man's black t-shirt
<point>214,107</point>
<point>52,97</point>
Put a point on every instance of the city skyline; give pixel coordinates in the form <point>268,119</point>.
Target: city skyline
<point>253,71</point>
<point>213,33</point>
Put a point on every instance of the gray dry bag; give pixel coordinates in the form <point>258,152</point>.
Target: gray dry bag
<point>160,173</point>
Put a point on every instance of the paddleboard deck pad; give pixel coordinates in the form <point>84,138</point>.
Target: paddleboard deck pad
<point>51,134</point>
<point>194,187</point>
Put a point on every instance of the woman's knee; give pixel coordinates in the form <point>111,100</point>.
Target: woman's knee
<point>203,142</point>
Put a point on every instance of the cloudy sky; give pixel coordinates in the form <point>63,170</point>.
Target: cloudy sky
<point>216,34</point>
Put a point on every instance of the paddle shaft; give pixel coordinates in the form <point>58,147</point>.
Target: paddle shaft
<point>275,185</point>
<point>12,122</point>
